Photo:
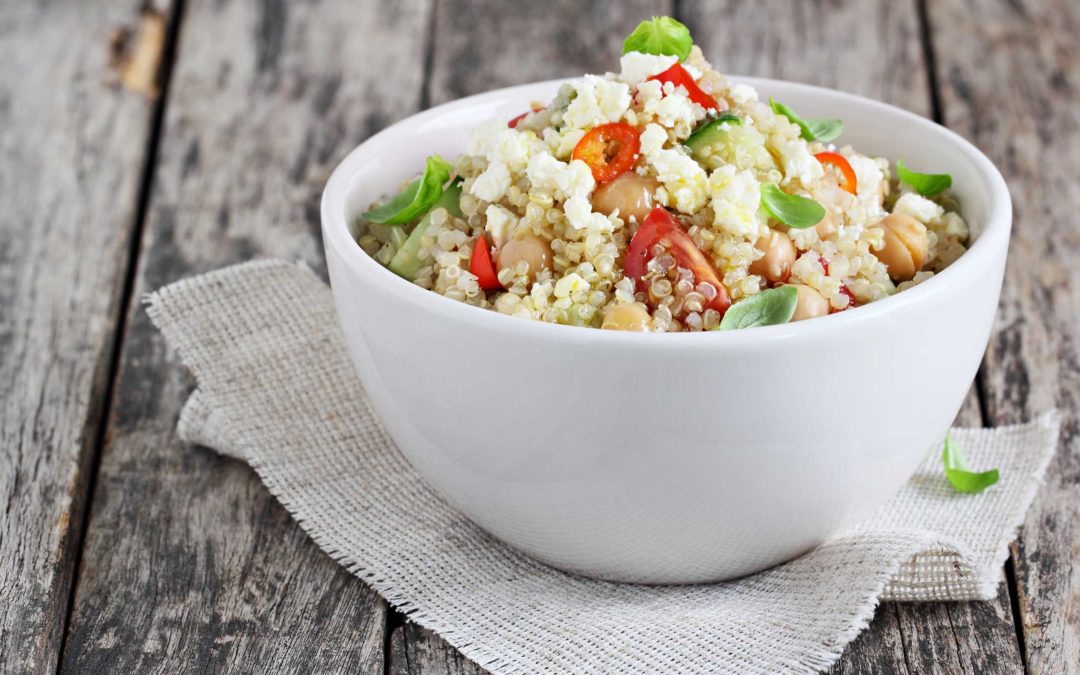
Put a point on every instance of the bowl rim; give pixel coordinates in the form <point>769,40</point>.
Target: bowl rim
<point>338,239</point>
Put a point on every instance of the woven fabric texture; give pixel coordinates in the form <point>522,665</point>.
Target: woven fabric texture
<point>277,390</point>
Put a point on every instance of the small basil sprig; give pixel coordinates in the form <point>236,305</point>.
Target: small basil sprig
<point>791,210</point>
<point>926,184</point>
<point>416,199</point>
<point>660,35</point>
<point>823,130</point>
<point>767,308</point>
<point>960,476</point>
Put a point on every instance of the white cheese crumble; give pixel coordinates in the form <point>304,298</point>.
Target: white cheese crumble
<point>683,178</point>
<point>736,200</point>
<point>638,67</point>
<point>868,179</point>
<point>743,94</point>
<point>918,207</point>
<point>598,101</point>
<point>499,223</point>
<point>798,163</point>
<point>492,184</point>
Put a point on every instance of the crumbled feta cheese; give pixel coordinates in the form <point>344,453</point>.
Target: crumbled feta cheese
<point>542,171</point>
<point>638,67</point>
<point>798,163</point>
<point>598,101</point>
<point>569,285</point>
<point>499,223</point>
<point>567,142</point>
<point>576,180</point>
<point>653,139</point>
<point>512,148</point>
<point>736,200</point>
<point>683,178</point>
<point>743,94</point>
<point>651,90</point>
<point>955,225</point>
<point>674,108</point>
<point>918,207</point>
<point>580,215</point>
<point>693,71</point>
<point>492,184</point>
<point>868,179</point>
<point>482,138</point>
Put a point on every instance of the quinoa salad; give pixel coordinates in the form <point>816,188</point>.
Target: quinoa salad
<point>665,198</point>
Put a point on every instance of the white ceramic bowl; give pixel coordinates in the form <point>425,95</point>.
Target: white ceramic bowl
<point>666,458</point>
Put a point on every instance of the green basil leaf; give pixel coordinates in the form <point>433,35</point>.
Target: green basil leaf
<point>926,184</point>
<point>791,210</point>
<point>660,35</point>
<point>960,476</point>
<point>416,199</point>
<point>767,308</point>
<point>823,130</point>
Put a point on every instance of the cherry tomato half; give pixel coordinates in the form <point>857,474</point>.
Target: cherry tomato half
<point>610,150</point>
<point>840,162</point>
<point>480,265</point>
<point>660,227</point>
<point>678,76</point>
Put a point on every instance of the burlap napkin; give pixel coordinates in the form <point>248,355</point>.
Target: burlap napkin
<point>276,389</point>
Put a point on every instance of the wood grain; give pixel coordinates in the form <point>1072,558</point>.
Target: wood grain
<point>72,149</point>
<point>1010,81</point>
<point>189,564</point>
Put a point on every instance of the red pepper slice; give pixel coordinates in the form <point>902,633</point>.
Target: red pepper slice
<point>824,264</point>
<point>678,76</point>
<point>660,227</point>
<point>480,265</point>
<point>840,162</point>
<point>610,150</point>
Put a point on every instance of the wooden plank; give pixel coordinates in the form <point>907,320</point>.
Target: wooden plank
<point>1010,80</point>
<point>486,44</point>
<point>416,651</point>
<point>189,564</point>
<point>72,149</point>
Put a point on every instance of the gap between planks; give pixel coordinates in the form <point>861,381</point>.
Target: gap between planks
<point>164,76</point>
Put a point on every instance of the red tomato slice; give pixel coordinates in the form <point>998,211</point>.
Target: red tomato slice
<point>840,162</point>
<point>678,76</point>
<point>660,227</point>
<point>480,265</point>
<point>610,150</point>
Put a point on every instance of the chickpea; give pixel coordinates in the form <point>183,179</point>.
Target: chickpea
<point>532,249</point>
<point>811,303</point>
<point>780,253</point>
<point>627,317</point>
<point>906,246</point>
<point>630,193</point>
<point>827,226</point>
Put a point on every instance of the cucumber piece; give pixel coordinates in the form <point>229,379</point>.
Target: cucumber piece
<point>405,262</point>
<point>711,132</point>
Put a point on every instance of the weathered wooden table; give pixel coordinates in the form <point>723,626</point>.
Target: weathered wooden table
<point>203,136</point>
